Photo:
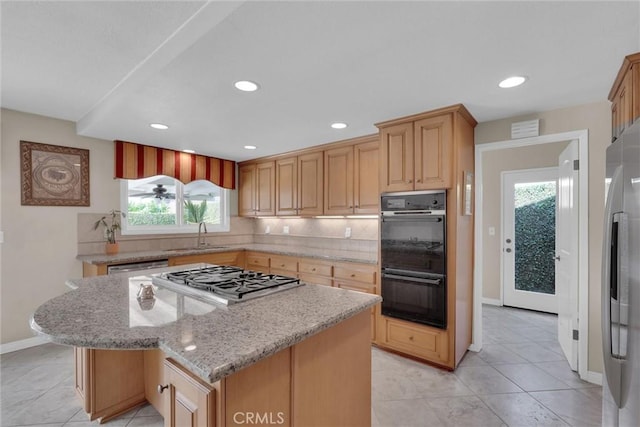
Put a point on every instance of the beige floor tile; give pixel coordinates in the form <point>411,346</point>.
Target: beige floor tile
<point>520,409</point>
<point>57,405</point>
<point>499,353</point>
<point>561,370</point>
<point>471,358</point>
<point>389,385</point>
<point>434,382</point>
<point>485,380</point>
<point>405,413</point>
<point>464,411</point>
<point>574,407</point>
<point>534,353</point>
<point>531,378</point>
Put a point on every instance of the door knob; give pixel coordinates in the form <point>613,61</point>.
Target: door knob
<point>162,388</point>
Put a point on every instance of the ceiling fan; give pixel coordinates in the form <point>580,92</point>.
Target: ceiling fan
<point>159,192</point>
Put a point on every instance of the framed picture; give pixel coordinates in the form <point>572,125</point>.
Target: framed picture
<point>467,193</point>
<point>53,175</point>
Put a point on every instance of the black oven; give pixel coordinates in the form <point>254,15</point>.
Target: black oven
<point>413,257</point>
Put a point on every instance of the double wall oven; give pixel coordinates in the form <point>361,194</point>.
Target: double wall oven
<point>413,257</point>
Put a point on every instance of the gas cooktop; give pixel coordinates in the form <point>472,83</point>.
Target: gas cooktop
<point>224,284</point>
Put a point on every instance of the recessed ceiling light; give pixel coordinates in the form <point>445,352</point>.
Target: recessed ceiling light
<point>250,147</point>
<point>246,86</point>
<point>512,82</point>
<point>339,125</point>
<point>159,126</point>
<point>189,151</point>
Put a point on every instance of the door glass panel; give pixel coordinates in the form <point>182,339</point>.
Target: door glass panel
<point>535,236</point>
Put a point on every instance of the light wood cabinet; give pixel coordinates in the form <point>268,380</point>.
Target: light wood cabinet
<point>315,271</point>
<point>190,401</point>
<point>284,265</point>
<point>625,95</point>
<point>257,261</point>
<point>416,154</point>
<point>425,151</point>
<point>351,178</point>
<point>235,258</point>
<point>299,186</point>
<point>360,278</point>
<point>256,189</point>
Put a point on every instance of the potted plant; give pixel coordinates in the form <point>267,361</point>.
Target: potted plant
<point>110,227</point>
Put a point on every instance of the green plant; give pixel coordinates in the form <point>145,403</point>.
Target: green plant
<point>111,227</point>
<point>195,213</point>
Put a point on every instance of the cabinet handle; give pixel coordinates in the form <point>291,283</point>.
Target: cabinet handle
<point>418,180</point>
<point>410,181</point>
<point>357,206</point>
<point>353,274</point>
<point>411,338</point>
<point>162,388</point>
<point>281,265</point>
<point>313,269</point>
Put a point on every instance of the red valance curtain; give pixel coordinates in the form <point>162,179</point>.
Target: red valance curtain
<point>134,161</point>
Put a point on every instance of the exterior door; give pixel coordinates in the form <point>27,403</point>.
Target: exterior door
<point>528,239</point>
<point>567,253</point>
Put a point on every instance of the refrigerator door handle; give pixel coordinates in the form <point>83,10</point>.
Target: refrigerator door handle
<point>610,289</point>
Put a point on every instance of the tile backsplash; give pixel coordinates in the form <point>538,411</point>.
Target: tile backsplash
<point>322,233</point>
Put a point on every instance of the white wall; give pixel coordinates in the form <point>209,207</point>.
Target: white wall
<point>40,242</point>
<point>596,118</point>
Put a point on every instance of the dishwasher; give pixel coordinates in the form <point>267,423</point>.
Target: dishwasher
<point>137,266</point>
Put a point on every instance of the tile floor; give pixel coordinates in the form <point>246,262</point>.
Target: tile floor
<point>520,378</point>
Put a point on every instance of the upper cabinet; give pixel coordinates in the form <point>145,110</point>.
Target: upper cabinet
<point>625,95</point>
<point>351,178</point>
<point>256,189</point>
<point>299,185</point>
<point>337,179</point>
<point>416,152</point>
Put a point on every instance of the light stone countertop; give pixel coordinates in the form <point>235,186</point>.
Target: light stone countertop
<point>211,340</point>
<point>324,254</point>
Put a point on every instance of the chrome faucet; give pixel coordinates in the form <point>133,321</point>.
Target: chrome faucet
<point>200,236</point>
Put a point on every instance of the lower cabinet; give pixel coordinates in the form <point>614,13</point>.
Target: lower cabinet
<point>190,402</point>
<point>417,340</point>
<point>235,258</point>
<point>104,381</point>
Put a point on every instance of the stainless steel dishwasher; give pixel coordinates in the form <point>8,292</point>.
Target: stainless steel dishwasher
<point>137,266</point>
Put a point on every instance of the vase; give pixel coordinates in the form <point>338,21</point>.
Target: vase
<point>112,248</point>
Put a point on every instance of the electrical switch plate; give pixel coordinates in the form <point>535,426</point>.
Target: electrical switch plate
<point>347,232</point>
<point>285,229</point>
<point>267,230</point>
<point>492,231</point>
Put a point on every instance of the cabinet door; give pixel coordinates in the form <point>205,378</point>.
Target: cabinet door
<point>191,402</point>
<point>287,186</point>
<point>310,184</point>
<point>433,152</point>
<point>217,258</point>
<point>622,106</point>
<point>247,190</point>
<point>635,96</point>
<point>338,181</point>
<point>265,189</point>
<point>397,157</point>
<point>366,182</point>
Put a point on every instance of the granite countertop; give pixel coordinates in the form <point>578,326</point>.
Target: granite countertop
<point>211,340</point>
<point>326,254</point>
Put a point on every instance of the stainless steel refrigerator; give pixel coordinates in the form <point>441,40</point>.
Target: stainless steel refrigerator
<point>621,283</point>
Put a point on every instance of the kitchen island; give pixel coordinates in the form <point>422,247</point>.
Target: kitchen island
<point>297,357</point>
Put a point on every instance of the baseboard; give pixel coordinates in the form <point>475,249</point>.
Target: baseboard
<point>593,377</point>
<point>474,347</point>
<point>491,301</point>
<point>22,344</point>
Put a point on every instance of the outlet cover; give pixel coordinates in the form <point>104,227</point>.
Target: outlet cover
<point>267,230</point>
<point>347,232</point>
<point>285,229</point>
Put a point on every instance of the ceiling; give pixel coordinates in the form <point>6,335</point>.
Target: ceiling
<point>114,67</point>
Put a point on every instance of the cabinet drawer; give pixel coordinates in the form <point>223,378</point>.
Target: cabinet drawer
<point>355,286</point>
<point>258,260</point>
<point>363,274</point>
<point>420,341</point>
<point>315,268</point>
<point>316,280</point>
<point>284,264</point>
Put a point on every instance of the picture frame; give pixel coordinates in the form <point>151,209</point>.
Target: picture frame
<point>53,175</point>
<point>467,193</point>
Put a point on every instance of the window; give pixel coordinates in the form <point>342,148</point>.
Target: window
<point>161,204</point>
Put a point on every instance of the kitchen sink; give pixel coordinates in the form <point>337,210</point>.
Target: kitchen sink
<point>197,248</point>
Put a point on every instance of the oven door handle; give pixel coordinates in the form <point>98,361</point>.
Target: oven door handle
<point>413,279</point>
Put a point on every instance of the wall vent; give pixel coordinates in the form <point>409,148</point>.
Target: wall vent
<point>525,129</point>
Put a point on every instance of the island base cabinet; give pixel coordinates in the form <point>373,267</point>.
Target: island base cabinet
<point>190,401</point>
<point>109,382</point>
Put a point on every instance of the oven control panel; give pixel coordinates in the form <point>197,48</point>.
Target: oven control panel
<point>414,201</point>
